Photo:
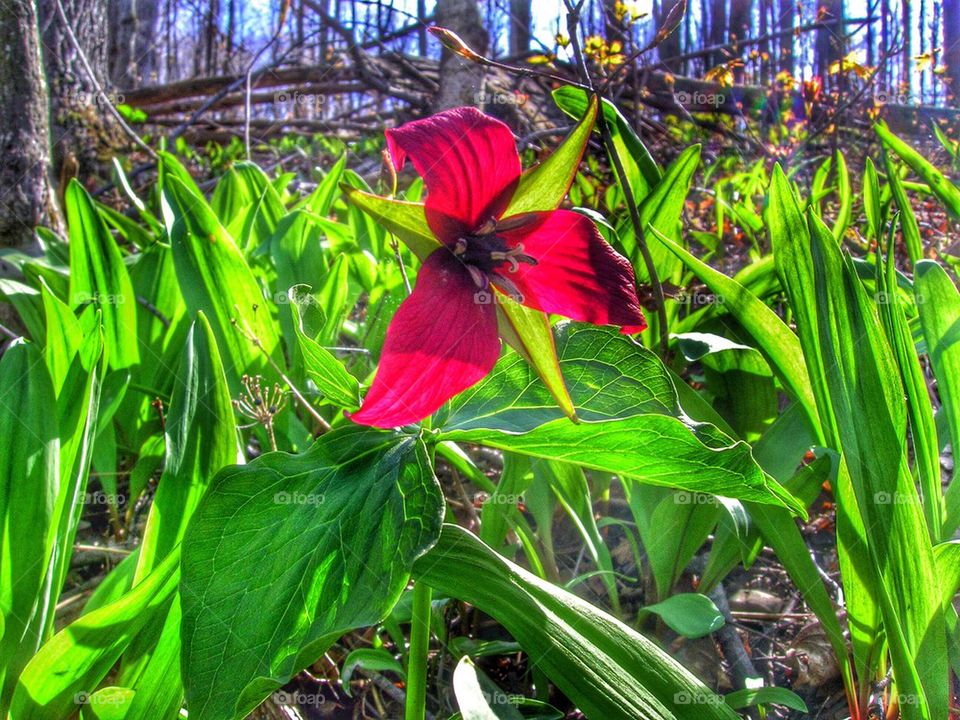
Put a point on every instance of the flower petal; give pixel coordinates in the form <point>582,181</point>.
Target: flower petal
<point>577,274</point>
<point>440,342</point>
<point>469,163</point>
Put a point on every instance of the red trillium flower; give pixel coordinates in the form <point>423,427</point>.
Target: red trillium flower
<point>444,337</point>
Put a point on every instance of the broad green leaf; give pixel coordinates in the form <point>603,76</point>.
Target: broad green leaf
<point>947,556</point>
<point>938,301</point>
<point>63,339</point>
<point>844,195</point>
<point>78,417</point>
<point>608,670</point>
<point>247,204</point>
<point>923,430</point>
<point>99,276</point>
<point>331,378</point>
<point>946,191</point>
<point>570,487</point>
<point>27,302</point>
<point>641,169</point>
<point>151,665</point>
<point>631,423</point>
<point>320,201</point>
<point>790,240</point>
<point>216,280</point>
<point>691,615</point>
<point>861,381</point>
<point>788,234</point>
<point>738,378</point>
<point>77,659</point>
<point>163,326</point>
<point>201,438</point>
<point>672,526</point>
<point>171,167</point>
<point>773,338</point>
<point>109,703</point>
<point>335,531</point>
<point>29,484</point>
<point>660,213</point>
<point>908,221</point>
<point>369,659</point>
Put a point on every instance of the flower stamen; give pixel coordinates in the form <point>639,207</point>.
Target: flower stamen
<point>514,256</point>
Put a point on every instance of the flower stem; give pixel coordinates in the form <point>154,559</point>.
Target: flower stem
<point>573,28</point>
<point>419,652</point>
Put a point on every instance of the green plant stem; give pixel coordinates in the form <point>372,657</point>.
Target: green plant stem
<point>573,28</point>
<point>419,651</point>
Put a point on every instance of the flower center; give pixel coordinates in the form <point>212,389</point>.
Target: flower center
<point>484,253</point>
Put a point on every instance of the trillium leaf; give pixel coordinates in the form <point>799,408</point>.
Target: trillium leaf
<point>334,531</point>
<point>632,423</point>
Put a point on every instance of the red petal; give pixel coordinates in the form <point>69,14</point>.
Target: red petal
<point>439,343</point>
<point>469,163</point>
<point>577,274</point>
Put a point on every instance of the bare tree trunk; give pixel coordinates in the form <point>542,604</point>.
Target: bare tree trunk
<point>951,48</point>
<point>907,31</point>
<point>79,125</point>
<point>27,199</point>
<point>830,41</point>
<point>461,81</point>
<point>787,21</point>
<point>718,30</point>
<point>122,18</point>
<point>422,32</point>
<point>520,24</point>
<point>132,50</point>
<point>766,62</point>
<point>740,12</point>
